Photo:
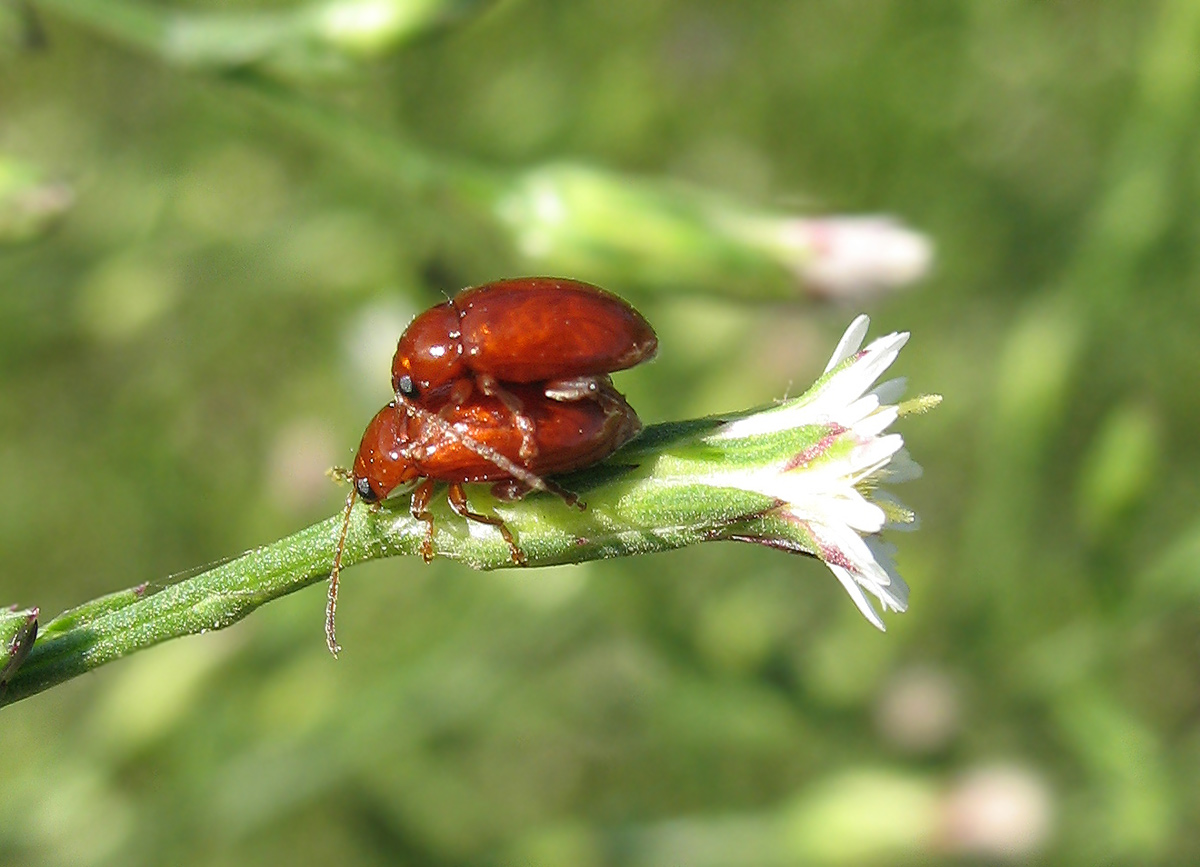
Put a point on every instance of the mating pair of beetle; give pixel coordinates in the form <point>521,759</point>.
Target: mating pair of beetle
<point>505,383</point>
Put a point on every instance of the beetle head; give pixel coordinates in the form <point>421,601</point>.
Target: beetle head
<point>381,464</point>
<point>429,353</point>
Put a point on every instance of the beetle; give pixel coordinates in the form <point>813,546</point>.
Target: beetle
<point>562,333</point>
<point>478,440</point>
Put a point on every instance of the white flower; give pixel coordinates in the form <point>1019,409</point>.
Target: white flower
<point>829,487</point>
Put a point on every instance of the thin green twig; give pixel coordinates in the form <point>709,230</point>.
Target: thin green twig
<point>549,533</point>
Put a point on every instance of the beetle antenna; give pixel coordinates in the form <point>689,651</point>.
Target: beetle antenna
<point>334,573</point>
<point>518,472</point>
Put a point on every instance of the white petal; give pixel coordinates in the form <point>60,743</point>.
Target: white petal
<point>892,390</point>
<point>853,381</point>
<point>873,456</point>
<point>867,566</point>
<point>793,414</point>
<point>851,341</point>
<point>840,398</point>
<point>860,598</point>
<point>896,594</point>
<point>851,509</point>
<point>902,468</point>
<point>877,422</point>
<point>859,559</point>
<point>893,597</point>
<point>855,412</point>
<point>881,352</point>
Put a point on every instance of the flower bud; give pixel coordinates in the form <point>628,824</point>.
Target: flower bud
<point>573,219</point>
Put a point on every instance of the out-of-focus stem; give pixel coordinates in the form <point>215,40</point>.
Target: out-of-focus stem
<point>560,218</point>
<point>308,40</point>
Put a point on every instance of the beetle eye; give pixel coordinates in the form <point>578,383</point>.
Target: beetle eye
<point>364,489</point>
<point>407,387</point>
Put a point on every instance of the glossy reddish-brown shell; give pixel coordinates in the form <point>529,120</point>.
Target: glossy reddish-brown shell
<point>528,329</point>
<point>398,447</point>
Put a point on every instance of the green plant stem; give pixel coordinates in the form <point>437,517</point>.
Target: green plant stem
<point>636,504</point>
<point>298,40</point>
<point>212,600</point>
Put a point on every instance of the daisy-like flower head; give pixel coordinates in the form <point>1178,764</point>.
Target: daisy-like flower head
<point>837,453</point>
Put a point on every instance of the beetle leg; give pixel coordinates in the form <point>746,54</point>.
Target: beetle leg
<point>459,393</point>
<point>568,497</point>
<point>597,388</point>
<point>511,490</point>
<point>575,388</point>
<point>458,502</point>
<point>490,386</point>
<point>420,510</point>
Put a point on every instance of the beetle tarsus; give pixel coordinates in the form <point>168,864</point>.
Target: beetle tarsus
<point>420,510</point>
<point>511,490</point>
<point>568,497</point>
<point>458,502</point>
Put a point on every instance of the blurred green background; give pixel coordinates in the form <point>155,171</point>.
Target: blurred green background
<point>213,232</point>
